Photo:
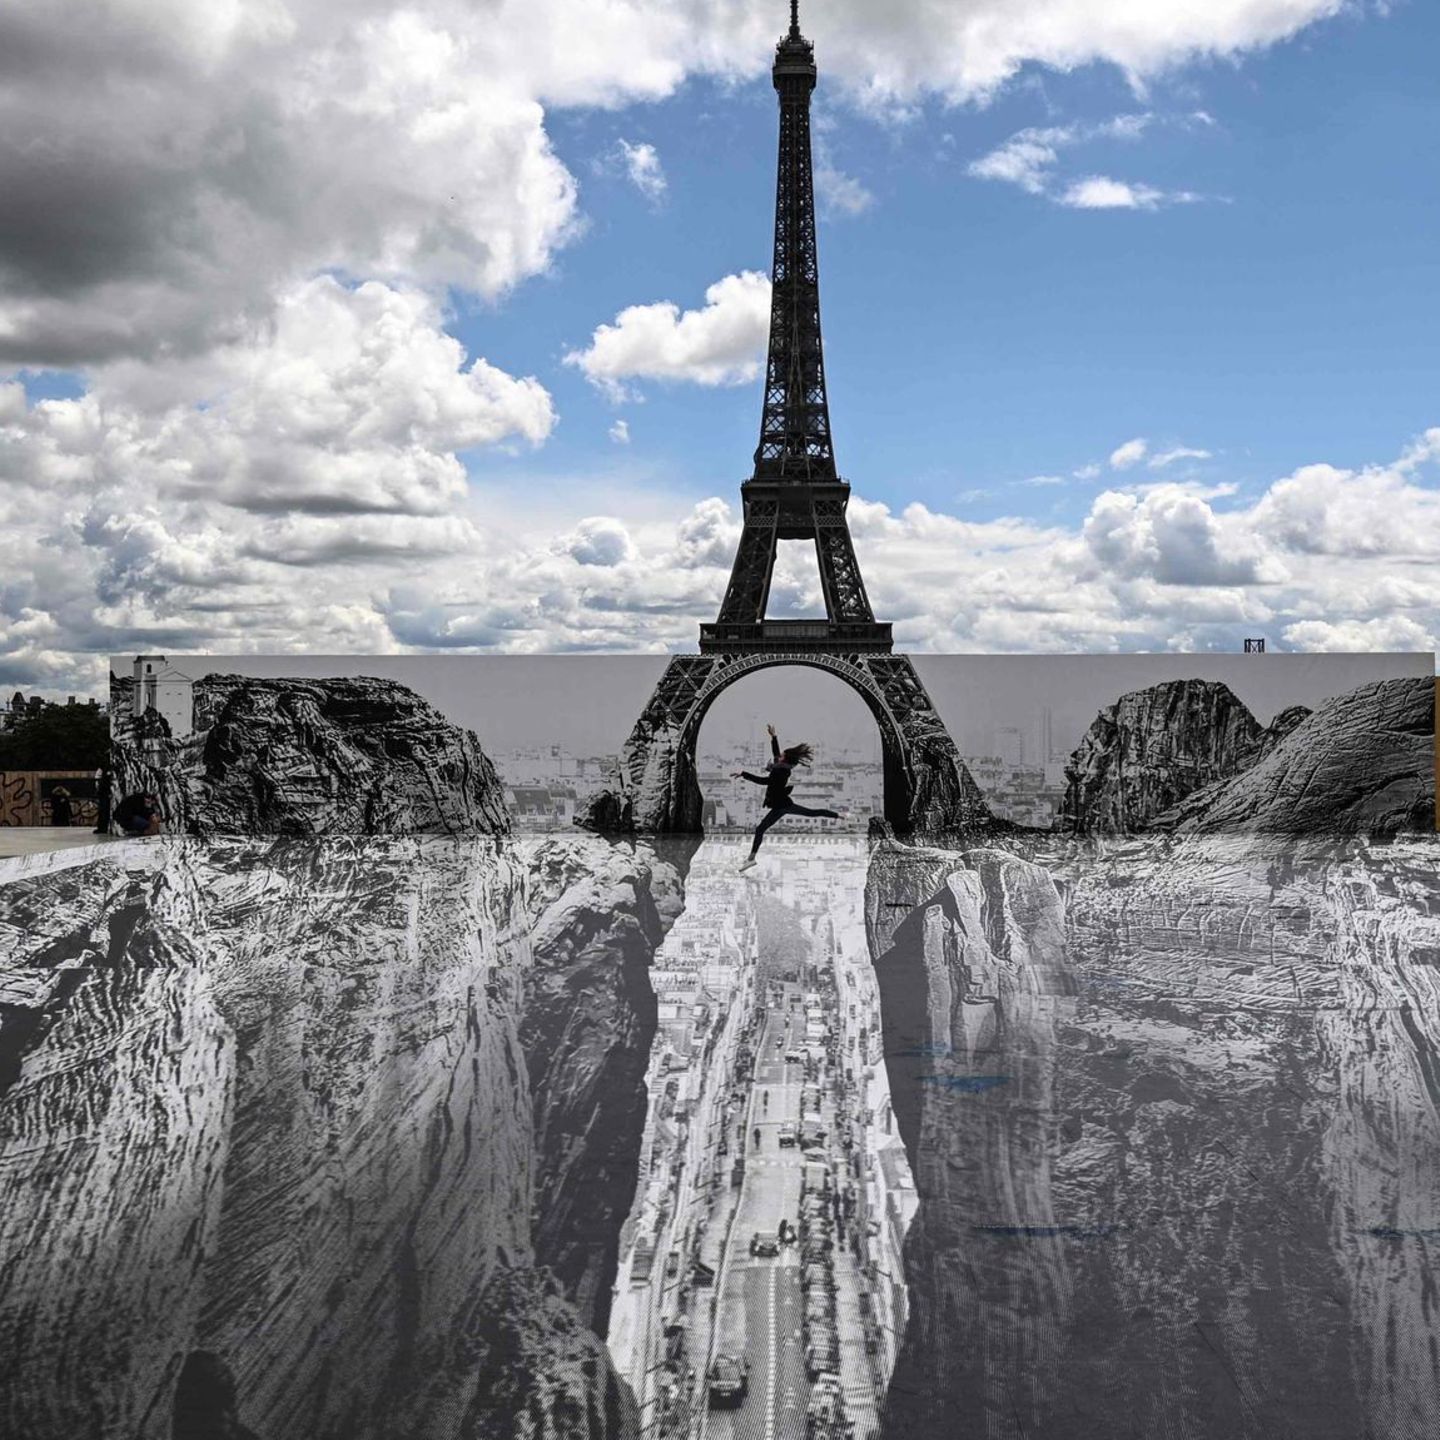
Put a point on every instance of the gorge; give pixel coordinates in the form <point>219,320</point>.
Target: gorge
<point>330,1135</point>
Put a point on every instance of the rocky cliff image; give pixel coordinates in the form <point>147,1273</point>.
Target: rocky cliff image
<point>535,1138</point>
<point>1188,755</point>
<point>1175,1127</point>
<point>287,1127</point>
<point>337,756</point>
<point>308,1133</point>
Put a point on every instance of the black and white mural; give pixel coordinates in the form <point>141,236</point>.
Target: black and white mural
<point>362,1102</point>
<point>482,744</point>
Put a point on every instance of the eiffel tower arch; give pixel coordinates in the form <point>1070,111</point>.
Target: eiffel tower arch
<point>794,493</point>
<point>928,790</point>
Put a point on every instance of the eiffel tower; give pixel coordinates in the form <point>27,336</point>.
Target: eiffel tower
<point>794,493</point>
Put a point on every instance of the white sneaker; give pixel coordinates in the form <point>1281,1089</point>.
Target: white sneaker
<point>747,863</point>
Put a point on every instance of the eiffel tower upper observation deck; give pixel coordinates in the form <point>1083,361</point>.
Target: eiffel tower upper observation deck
<point>794,493</point>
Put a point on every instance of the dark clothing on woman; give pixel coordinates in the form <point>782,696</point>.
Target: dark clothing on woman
<point>778,803</point>
<point>779,812</point>
<point>60,813</point>
<point>776,780</point>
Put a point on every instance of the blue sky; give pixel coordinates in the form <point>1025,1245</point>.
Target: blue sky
<point>380,327</point>
<point>978,336</point>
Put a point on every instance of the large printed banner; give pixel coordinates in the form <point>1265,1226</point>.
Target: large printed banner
<point>1085,744</point>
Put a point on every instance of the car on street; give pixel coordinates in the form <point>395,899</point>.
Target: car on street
<point>729,1380</point>
<point>764,1243</point>
<point>794,1057</point>
<point>815,1179</point>
<point>787,1134</point>
<point>642,1261</point>
<point>819,1360</point>
<point>825,1412</point>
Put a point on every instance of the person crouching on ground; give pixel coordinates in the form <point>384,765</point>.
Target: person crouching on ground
<point>138,814</point>
<point>776,781</point>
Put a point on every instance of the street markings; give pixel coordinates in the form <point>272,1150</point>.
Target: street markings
<point>774,1366</point>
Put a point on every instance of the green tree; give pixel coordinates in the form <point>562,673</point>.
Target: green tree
<point>58,737</point>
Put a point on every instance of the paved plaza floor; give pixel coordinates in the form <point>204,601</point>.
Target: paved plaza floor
<point>39,839</point>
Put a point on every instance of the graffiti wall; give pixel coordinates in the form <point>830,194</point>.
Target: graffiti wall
<point>48,797</point>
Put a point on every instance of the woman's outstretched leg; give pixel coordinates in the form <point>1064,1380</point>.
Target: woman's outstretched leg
<point>814,814</point>
<point>771,816</point>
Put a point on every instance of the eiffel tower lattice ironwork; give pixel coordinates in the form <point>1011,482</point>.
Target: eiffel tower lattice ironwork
<point>794,493</point>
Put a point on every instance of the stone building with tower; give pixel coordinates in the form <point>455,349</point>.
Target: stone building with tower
<point>165,690</point>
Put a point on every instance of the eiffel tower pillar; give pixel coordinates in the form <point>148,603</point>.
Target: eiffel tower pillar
<point>656,790</point>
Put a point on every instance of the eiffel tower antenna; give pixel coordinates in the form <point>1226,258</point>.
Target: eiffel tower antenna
<point>795,421</point>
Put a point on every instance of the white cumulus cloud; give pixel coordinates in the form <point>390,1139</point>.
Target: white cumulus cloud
<point>1323,510</point>
<point>643,169</point>
<point>1100,192</point>
<point>1324,558</point>
<point>239,225</point>
<point>219,153</point>
<point>599,540</point>
<point>837,193</point>
<point>1026,159</point>
<point>1031,159</point>
<point>1176,538</point>
<point>721,344</point>
<point>1393,632</point>
<point>1178,452</point>
<point>1132,452</point>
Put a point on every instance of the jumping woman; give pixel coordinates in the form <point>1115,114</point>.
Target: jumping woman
<point>776,781</point>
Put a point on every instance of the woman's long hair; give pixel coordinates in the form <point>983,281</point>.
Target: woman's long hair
<point>797,754</point>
